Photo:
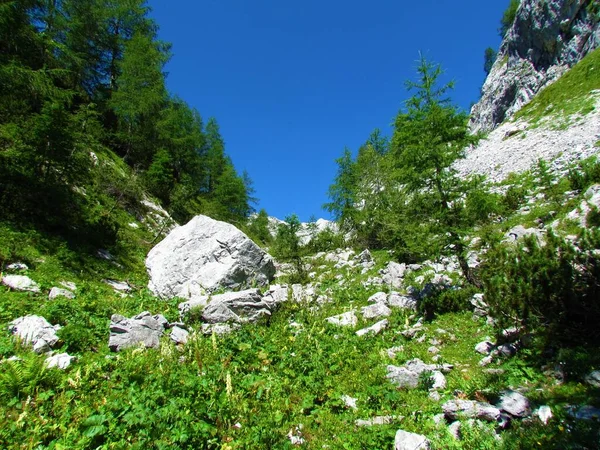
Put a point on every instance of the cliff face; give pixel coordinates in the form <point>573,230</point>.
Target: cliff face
<point>546,39</point>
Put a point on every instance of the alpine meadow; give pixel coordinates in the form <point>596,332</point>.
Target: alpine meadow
<point>148,300</point>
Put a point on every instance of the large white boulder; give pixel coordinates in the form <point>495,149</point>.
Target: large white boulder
<point>35,331</point>
<point>203,256</point>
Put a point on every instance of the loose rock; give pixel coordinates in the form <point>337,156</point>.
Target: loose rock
<point>35,331</point>
<point>20,283</point>
<point>410,441</point>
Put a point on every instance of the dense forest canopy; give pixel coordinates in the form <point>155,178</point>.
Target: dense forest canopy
<point>80,80</point>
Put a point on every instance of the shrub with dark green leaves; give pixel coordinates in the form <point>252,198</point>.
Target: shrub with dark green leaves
<point>552,287</point>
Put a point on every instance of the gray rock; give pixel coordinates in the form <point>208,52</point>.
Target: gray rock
<point>392,352</point>
<point>454,430</point>
<point>519,232</point>
<point>365,257</point>
<point>377,420</point>
<point>142,329</point>
<point>35,331</point>
<point>179,335</point>
<point>455,409</point>
<point>347,319</point>
<point>438,380</point>
<point>60,361</point>
<point>410,441</point>
<point>276,295</point>
<point>375,311</point>
<point>350,402</point>
<point>119,286</point>
<point>195,303</point>
<point>378,297</point>
<point>515,404</point>
<point>544,413</point>
<point>396,300</point>
<point>393,274</point>
<point>593,378</point>
<point>507,350</point>
<point>374,329</point>
<point>219,329</point>
<point>485,347</point>
<point>17,266</point>
<point>20,283</point>
<point>545,40</point>
<point>58,292</point>
<point>409,375</point>
<point>585,412</point>
<point>239,307</point>
<point>69,285</point>
<point>203,256</point>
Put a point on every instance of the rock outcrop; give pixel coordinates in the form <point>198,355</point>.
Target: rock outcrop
<point>546,39</point>
<point>203,256</point>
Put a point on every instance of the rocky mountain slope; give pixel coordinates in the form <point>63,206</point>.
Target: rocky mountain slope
<point>546,39</point>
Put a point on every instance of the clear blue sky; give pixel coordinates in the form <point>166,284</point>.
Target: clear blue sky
<point>292,83</point>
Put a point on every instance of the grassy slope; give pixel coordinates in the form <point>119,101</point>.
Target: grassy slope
<point>569,95</point>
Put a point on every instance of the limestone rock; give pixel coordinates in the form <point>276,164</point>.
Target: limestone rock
<point>396,300</point>
<point>197,302</point>
<point>485,347</point>
<point>585,412</point>
<point>544,413</point>
<point>410,441</point>
<point>59,292</point>
<point>60,361</point>
<point>375,311</point>
<point>179,335</point>
<point>593,378</point>
<point>276,295</point>
<point>377,420</point>
<point>393,274</point>
<point>378,297</point>
<point>409,375</point>
<point>219,329</point>
<point>20,283</point>
<point>374,329</point>
<point>545,40</point>
<point>17,266</point>
<point>515,404</point>
<point>35,331</point>
<point>347,319</point>
<point>143,329</point>
<point>205,255</point>
<point>119,286</point>
<point>238,307</point>
<point>455,409</point>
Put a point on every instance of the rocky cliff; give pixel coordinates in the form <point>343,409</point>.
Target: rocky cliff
<point>546,39</point>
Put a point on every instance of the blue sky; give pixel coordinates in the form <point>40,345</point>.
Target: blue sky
<point>292,83</point>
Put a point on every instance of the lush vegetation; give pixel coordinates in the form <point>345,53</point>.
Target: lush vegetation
<point>86,122</point>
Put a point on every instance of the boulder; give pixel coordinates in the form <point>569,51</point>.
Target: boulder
<point>35,331</point>
<point>59,292</point>
<point>143,329</point>
<point>20,283</point>
<point>378,297</point>
<point>238,307</point>
<point>203,256</point>
<point>410,441</point>
<point>16,267</point>
<point>456,409</point>
<point>515,404</point>
<point>276,294</point>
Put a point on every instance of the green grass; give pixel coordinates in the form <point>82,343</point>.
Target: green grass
<point>569,95</point>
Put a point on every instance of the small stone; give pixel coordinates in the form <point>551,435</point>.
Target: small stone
<point>378,420</point>
<point>515,404</point>
<point>593,378</point>
<point>179,335</point>
<point>17,266</point>
<point>60,361</point>
<point>375,311</point>
<point>484,347</point>
<point>58,292</point>
<point>350,402</point>
<point>410,441</point>
<point>433,350</point>
<point>392,352</point>
<point>374,329</point>
<point>435,396</point>
<point>347,319</point>
<point>544,413</point>
<point>20,283</point>
<point>454,429</point>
